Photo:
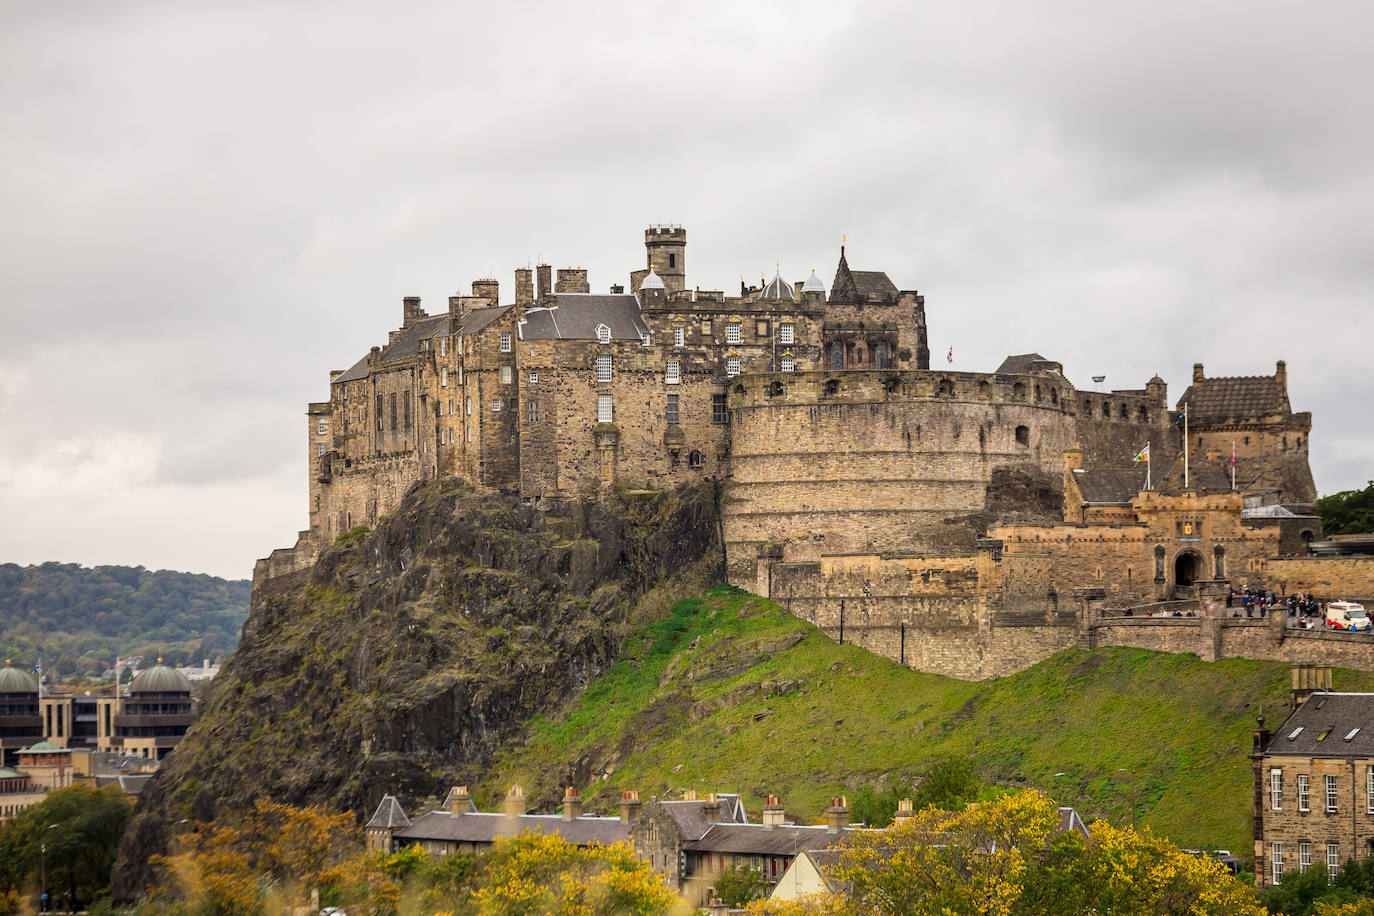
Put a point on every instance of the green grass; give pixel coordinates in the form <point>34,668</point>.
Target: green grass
<point>716,697</point>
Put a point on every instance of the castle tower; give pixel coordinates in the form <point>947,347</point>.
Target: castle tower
<point>667,251</point>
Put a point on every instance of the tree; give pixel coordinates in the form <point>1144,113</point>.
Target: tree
<point>1347,512</point>
<point>69,838</point>
<point>948,782</point>
<point>739,884</point>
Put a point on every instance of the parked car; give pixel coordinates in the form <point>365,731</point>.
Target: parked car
<point>1347,615</point>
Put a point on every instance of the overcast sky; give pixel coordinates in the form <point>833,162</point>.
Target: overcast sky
<point>206,207</point>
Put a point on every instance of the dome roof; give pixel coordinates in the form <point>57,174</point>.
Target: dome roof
<point>813,283</point>
<point>778,288</point>
<point>652,281</point>
<point>12,680</point>
<point>160,679</point>
<point>43,746</point>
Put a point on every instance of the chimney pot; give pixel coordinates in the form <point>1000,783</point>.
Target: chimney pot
<point>629,806</point>
<point>515,801</point>
<point>572,803</point>
<point>459,801</point>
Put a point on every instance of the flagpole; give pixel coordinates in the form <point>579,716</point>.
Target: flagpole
<point>1147,465</point>
<point>1233,464</point>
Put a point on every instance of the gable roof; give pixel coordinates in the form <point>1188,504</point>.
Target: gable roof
<point>1325,720</point>
<point>1214,399</point>
<point>477,319</point>
<point>574,316</point>
<point>757,840</point>
<point>1019,363</point>
<point>408,344</point>
<point>488,826</point>
<point>388,816</point>
<point>1110,486</point>
<point>689,815</point>
<point>860,285</point>
<point>357,371</point>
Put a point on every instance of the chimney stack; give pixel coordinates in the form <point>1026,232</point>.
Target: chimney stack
<point>487,289</point>
<point>1197,373</point>
<point>1307,680</point>
<point>772,812</point>
<point>524,287</point>
<point>515,801</point>
<point>545,287</point>
<point>712,808</point>
<point>1281,376</point>
<point>459,801</point>
<point>572,803</point>
<point>411,311</point>
<point>629,806</point>
<point>904,812</point>
<point>572,280</point>
<point>837,815</point>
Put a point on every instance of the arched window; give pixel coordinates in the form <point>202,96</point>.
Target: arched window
<point>984,390</point>
<point>1125,412</point>
<point>1054,395</point>
<point>1023,435</point>
<point>832,386</point>
<point>880,357</point>
<point>775,389</point>
<point>837,354</point>
<point>694,459</point>
<point>1143,414</point>
<point>1106,410</point>
<point>1018,391</point>
<point>1039,396</point>
<point>946,389</point>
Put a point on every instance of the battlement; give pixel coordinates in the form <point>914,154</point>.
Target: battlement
<point>662,231</point>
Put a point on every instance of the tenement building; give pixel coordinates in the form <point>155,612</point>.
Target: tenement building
<point>1314,782</point>
<point>910,508</point>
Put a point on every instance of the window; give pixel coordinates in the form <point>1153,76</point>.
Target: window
<point>405,410</point>
<point>467,434</point>
<point>441,408</point>
<point>319,450</point>
<point>443,346</point>
<point>761,327</point>
<point>1333,861</point>
<point>1219,558</point>
<point>534,411</point>
<point>788,363</point>
<point>732,335</point>
<point>732,366</point>
<point>1304,793</point>
<point>505,342</point>
<point>468,406</point>
<point>720,413</point>
<point>1304,856</point>
<point>694,459</point>
<point>319,426</point>
<point>672,260</point>
<point>880,357</point>
<point>379,413</point>
<point>534,378</point>
<point>460,375</point>
<point>706,328</point>
<point>1276,790</point>
<point>1369,791</point>
<point>1330,794</point>
<point>673,373</point>
<point>785,333</point>
<point>837,354</point>
<point>450,406</point>
<point>495,405</point>
<point>391,402</point>
<point>506,375</point>
<point>603,334</point>
<point>605,412</point>
<point>1275,863</point>
<point>443,378</point>
<point>603,368</point>
<point>1023,435</point>
<point>679,336</point>
<point>670,410</point>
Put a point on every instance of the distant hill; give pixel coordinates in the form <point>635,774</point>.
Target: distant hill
<point>78,619</point>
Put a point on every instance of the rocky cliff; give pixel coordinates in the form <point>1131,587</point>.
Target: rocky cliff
<point>408,655</point>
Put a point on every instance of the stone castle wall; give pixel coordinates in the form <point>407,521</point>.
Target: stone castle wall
<point>1325,577</point>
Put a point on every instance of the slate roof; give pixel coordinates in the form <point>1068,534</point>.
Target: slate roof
<point>575,316</point>
<point>388,816</point>
<point>1242,396</point>
<point>757,840</point>
<point>1325,720</point>
<point>355,372</point>
<point>1110,486</point>
<point>408,344</point>
<point>477,319</point>
<point>873,284</point>
<point>487,827</point>
<point>690,816</point>
<point>1019,363</point>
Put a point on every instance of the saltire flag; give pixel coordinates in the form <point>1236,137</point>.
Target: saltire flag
<point>1143,454</point>
<point>1182,415</point>
<point>949,357</point>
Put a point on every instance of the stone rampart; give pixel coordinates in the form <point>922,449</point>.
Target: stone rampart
<point>1325,577</point>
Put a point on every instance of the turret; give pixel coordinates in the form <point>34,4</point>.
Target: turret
<point>651,292</point>
<point>666,247</point>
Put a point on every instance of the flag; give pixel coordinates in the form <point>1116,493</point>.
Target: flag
<point>949,357</point>
<point>1143,454</point>
<point>1182,415</point>
<point>1233,454</point>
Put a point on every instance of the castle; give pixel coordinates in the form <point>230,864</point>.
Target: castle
<point>861,487</point>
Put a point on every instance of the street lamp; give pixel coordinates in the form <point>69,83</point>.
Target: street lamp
<point>43,868</point>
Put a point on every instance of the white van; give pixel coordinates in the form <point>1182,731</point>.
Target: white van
<point>1347,615</point>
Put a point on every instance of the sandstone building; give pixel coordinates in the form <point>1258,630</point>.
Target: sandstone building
<point>861,486</point>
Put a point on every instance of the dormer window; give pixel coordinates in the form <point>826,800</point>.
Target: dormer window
<point>603,334</point>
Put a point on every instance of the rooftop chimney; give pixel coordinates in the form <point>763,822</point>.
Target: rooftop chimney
<point>572,803</point>
<point>1281,375</point>
<point>544,273</point>
<point>629,806</point>
<point>904,812</point>
<point>689,795</point>
<point>772,812</point>
<point>411,311</point>
<point>837,815</point>
<point>515,801</point>
<point>572,280</point>
<point>1307,680</point>
<point>1197,373</point>
<point>712,807</point>
<point>487,289</point>
<point>524,287</point>
<point>459,801</point>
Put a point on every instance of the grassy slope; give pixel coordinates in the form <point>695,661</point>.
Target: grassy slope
<point>713,698</point>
